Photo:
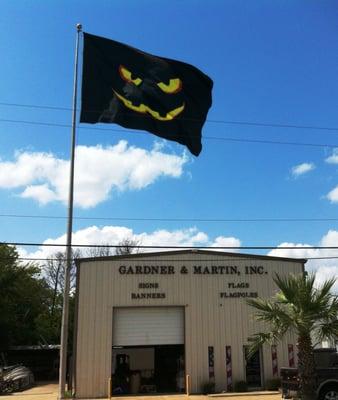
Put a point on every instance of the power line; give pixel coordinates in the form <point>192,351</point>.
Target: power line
<point>173,219</point>
<point>37,106</point>
<point>229,122</point>
<point>174,246</point>
<point>162,259</point>
<point>228,139</point>
<point>271,142</point>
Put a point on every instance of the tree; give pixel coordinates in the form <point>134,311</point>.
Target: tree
<point>300,307</point>
<point>54,273</point>
<point>24,299</point>
<point>31,299</point>
<point>100,251</point>
<point>127,246</point>
<point>54,270</point>
<point>124,247</point>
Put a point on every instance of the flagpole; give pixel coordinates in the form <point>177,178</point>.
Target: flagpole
<point>65,308</point>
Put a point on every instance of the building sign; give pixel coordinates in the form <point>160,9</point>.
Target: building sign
<point>148,295</point>
<point>137,296</point>
<point>195,270</point>
<point>236,294</point>
<point>233,290</point>
<point>232,295</point>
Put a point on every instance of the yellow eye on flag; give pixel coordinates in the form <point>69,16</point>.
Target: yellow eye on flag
<point>126,75</point>
<point>174,86</point>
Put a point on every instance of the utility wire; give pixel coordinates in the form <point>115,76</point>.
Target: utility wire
<point>229,139</point>
<point>246,123</point>
<point>173,219</point>
<point>51,258</point>
<point>174,247</point>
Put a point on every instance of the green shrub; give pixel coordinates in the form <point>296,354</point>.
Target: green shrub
<point>240,386</point>
<point>272,384</point>
<point>208,387</point>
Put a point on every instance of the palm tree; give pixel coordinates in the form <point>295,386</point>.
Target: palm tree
<point>302,308</point>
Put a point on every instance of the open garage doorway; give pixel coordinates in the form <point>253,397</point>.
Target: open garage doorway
<point>148,354</point>
<point>158,369</point>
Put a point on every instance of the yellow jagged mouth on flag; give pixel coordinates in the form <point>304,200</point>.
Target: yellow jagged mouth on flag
<point>143,109</point>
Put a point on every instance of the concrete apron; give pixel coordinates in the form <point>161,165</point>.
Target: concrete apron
<point>272,395</point>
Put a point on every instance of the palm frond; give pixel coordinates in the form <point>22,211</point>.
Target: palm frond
<point>327,329</point>
<point>272,312</point>
<point>260,304</point>
<point>329,309</point>
<point>257,340</point>
<point>323,296</point>
<point>324,291</point>
<point>288,287</point>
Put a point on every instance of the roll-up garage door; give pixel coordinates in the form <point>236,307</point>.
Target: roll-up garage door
<point>141,326</point>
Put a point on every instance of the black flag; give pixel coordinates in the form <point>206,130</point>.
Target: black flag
<point>136,90</point>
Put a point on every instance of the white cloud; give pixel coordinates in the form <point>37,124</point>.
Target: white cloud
<point>302,250</point>
<point>333,159</point>
<point>181,237</point>
<point>114,234</point>
<point>98,171</point>
<point>301,169</point>
<point>41,192</point>
<point>324,268</point>
<point>333,195</point>
<point>222,241</point>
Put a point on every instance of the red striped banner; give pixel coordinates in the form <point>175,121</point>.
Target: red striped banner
<point>274,361</point>
<point>291,356</point>
<point>211,363</point>
<point>228,362</point>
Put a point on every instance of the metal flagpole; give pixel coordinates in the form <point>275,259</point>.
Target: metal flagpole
<point>65,309</point>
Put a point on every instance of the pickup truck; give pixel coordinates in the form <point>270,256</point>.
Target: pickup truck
<point>326,362</point>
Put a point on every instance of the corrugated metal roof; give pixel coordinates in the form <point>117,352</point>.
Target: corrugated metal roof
<point>191,251</point>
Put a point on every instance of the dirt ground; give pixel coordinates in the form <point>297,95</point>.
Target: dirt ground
<point>49,391</point>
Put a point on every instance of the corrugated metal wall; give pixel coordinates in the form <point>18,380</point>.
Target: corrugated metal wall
<point>210,320</point>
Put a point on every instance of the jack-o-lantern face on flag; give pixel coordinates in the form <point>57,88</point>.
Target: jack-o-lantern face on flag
<point>137,90</point>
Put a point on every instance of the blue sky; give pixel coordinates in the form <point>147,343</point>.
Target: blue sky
<point>272,62</point>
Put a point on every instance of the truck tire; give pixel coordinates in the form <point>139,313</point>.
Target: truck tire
<point>329,392</point>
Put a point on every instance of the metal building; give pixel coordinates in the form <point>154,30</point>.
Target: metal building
<point>147,321</point>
